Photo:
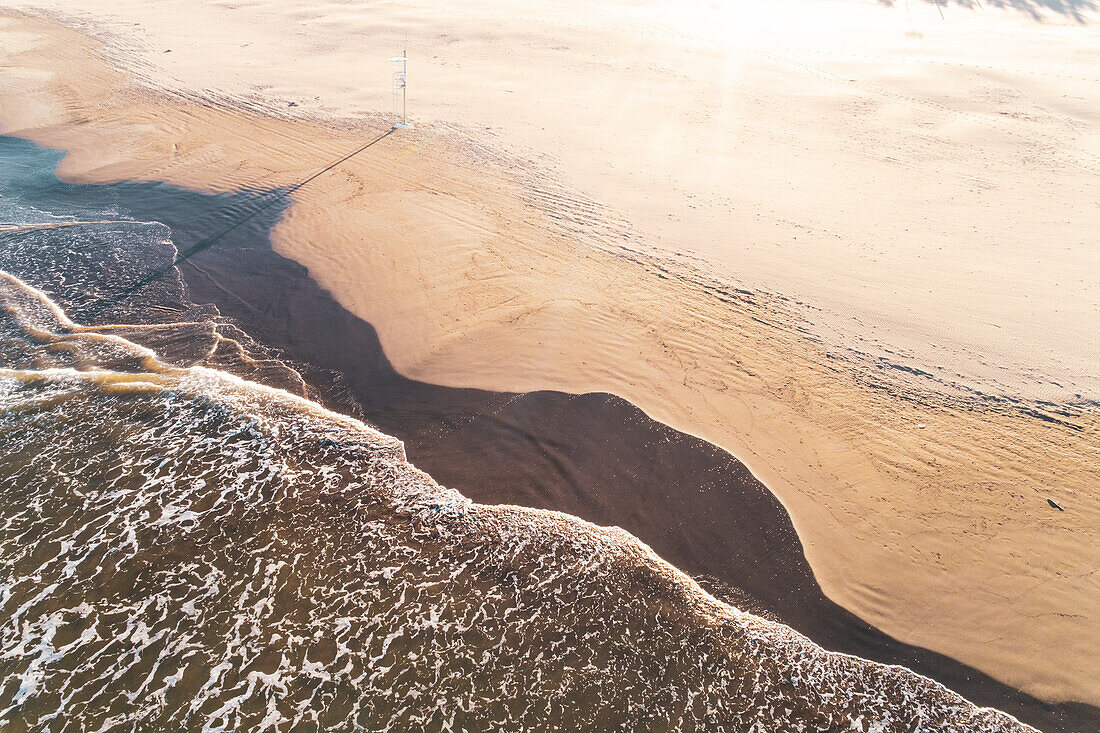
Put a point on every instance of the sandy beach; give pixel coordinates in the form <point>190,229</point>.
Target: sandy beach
<point>933,440</point>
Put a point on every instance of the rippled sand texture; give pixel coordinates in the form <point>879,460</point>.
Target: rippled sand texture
<point>235,557</point>
<point>922,501</point>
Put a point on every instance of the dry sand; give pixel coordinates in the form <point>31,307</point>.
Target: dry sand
<point>635,172</point>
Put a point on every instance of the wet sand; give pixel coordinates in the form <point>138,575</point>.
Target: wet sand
<point>927,515</point>
<point>594,456</point>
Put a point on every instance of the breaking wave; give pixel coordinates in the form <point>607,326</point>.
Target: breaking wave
<point>185,548</point>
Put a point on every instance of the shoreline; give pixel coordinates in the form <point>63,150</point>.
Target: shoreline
<point>820,441</point>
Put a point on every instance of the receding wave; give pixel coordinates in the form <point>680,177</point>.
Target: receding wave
<point>184,549</point>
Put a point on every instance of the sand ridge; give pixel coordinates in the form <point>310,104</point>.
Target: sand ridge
<point>940,535</point>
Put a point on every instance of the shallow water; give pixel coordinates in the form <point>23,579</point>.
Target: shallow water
<point>186,549</point>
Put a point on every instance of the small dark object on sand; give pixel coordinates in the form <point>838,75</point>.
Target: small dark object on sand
<point>1051,502</point>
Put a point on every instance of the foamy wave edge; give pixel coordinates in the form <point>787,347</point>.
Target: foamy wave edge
<point>424,500</point>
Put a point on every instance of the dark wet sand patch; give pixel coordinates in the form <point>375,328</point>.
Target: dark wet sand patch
<point>594,456</point>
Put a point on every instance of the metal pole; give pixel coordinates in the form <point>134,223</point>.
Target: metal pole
<point>402,121</point>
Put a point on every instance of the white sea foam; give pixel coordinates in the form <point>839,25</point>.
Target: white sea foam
<point>186,549</point>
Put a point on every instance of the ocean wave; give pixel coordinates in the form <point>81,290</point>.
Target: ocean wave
<point>184,549</point>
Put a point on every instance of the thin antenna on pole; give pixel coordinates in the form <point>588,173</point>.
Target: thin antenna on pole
<point>400,84</point>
